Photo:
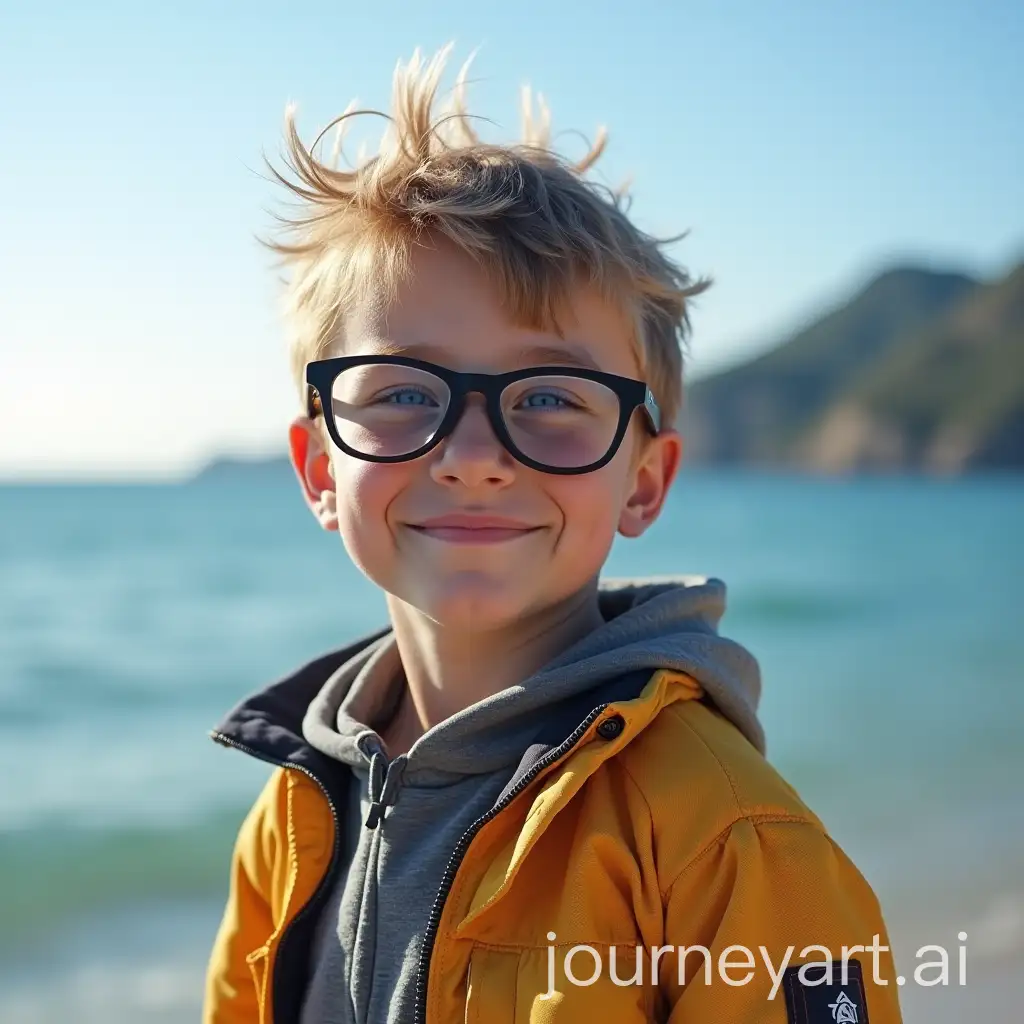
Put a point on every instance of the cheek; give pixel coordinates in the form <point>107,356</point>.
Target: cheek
<point>365,491</point>
<point>590,506</point>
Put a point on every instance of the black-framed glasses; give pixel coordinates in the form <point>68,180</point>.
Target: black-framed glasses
<point>556,419</point>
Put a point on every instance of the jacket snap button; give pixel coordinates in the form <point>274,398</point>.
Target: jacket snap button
<point>611,727</point>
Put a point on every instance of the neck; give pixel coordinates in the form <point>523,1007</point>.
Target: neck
<point>449,669</point>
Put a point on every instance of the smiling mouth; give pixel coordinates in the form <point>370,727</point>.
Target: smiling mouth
<point>474,534</point>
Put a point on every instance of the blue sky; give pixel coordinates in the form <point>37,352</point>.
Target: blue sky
<point>804,146</point>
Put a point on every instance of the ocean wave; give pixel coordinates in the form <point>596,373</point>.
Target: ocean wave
<point>780,606</point>
<point>52,686</point>
<point>156,993</point>
<point>999,931</point>
<point>52,875</point>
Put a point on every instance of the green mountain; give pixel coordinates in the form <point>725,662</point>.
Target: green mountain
<point>919,371</point>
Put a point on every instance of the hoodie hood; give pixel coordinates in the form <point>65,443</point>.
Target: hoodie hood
<point>663,623</point>
<point>672,623</point>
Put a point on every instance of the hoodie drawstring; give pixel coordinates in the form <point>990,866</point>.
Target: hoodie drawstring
<point>384,782</point>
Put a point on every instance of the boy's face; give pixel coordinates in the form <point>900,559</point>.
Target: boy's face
<point>448,313</point>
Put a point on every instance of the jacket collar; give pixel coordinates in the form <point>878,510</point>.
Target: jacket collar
<point>268,724</point>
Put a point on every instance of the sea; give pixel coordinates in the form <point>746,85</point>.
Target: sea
<point>886,613</point>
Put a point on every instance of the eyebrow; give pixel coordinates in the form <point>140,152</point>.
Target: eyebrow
<point>531,355</point>
<point>570,355</point>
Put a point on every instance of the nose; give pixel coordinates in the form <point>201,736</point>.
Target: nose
<point>472,454</point>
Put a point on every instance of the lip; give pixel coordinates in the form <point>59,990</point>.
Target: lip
<point>472,521</point>
<point>472,528</point>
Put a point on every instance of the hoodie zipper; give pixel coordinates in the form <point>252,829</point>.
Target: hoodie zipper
<point>430,936</point>
<point>226,741</point>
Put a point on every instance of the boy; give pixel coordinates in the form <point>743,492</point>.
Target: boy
<point>523,799</point>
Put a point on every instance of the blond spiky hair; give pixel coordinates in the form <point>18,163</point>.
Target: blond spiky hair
<point>534,222</point>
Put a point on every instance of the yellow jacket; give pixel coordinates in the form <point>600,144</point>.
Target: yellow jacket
<point>655,824</point>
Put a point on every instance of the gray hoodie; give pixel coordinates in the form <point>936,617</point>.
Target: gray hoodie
<point>403,818</point>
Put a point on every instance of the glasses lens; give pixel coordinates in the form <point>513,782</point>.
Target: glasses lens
<point>387,410</point>
<point>562,422</point>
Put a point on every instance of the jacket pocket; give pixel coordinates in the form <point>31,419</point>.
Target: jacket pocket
<point>491,986</point>
<point>583,984</point>
<point>533,986</point>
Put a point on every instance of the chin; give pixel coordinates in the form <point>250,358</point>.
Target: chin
<point>473,603</point>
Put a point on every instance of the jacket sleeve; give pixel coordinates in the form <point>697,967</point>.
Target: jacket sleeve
<point>248,919</point>
<point>775,886</point>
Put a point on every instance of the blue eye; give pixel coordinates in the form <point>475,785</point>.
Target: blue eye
<point>546,400</point>
<point>408,396</point>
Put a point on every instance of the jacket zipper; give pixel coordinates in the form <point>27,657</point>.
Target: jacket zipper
<point>228,742</point>
<point>430,936</point>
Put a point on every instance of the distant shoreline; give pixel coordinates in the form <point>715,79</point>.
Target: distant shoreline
<point>233,466</point>
<point>228,468</point>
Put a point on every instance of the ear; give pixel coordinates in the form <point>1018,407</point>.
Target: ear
<point>657,466</point>
<point>312,466</point>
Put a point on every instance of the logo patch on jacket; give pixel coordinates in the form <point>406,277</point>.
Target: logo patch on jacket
<point>812,1000</point>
